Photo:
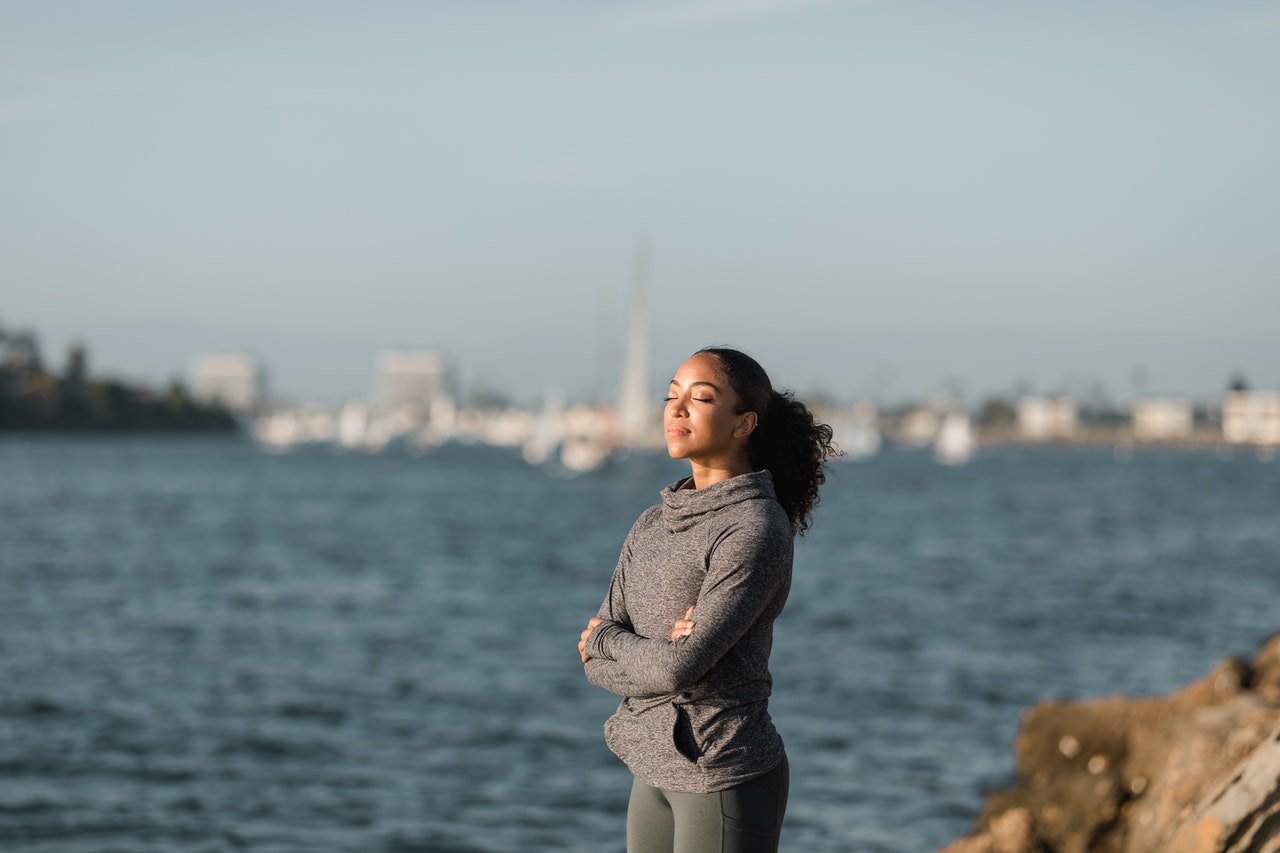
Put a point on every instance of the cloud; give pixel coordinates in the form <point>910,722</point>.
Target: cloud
<point>689,14</point>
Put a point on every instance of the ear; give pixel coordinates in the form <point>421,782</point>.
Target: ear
<point>746,426</point>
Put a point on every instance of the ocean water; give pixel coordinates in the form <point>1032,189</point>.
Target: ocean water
<point>205,648</point>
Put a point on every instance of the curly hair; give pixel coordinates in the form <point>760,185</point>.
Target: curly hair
<point>787,441</point>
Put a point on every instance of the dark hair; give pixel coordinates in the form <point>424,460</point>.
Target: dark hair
<point>787,441</point>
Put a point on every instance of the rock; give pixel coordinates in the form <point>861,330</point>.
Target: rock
<point>1010,832</point>
<point>1197,771</point>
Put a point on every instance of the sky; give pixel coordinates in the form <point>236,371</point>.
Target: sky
<point>888,200</point>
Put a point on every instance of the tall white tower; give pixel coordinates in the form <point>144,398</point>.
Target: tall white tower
<point>635,410</point>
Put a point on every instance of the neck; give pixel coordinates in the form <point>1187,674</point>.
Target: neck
<point>710,473</point>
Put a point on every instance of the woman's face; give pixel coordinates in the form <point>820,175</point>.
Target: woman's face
<point>701,418</point>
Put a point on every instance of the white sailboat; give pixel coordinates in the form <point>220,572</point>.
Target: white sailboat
<point>583,446</point>
<point>546,438</point>
<point>856,431</point>
<point>955,442</point>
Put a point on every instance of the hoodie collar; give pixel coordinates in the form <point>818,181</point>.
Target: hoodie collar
<point>684,506</point>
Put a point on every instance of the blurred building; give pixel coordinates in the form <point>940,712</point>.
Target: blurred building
<point>235,381</point>
<point>1251,417</point>
<point>412,380</point>
<point>918,427</point>
<point>1160,418</point>
<point>1048,417</point>
<point>855,429</point>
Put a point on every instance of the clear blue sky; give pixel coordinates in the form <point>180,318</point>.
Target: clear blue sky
<point>902,197</point>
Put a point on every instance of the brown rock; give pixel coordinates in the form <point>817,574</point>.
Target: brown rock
<point>1197,771</point>
<point>1010,832</point>
<point>1242,812</point>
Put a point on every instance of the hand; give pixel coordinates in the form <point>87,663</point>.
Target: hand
<point>582,641</point>
<point>683,627</point>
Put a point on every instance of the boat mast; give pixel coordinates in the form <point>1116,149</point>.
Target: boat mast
<point>634,412</point>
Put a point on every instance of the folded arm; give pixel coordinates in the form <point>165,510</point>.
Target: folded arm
<point>746,572</point>
<point>612,676</point>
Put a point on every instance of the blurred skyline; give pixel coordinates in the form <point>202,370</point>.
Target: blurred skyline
<point>887,199</point>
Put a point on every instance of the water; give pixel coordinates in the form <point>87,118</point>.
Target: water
<point>203,648</point>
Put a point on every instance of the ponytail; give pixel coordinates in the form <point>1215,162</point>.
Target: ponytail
<point>787,441</point>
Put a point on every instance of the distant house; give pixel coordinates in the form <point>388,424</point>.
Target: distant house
<point>855,429</point>
<point>1251,417</point>
<point>413,379</point>
<point>234,381</point>
<point>918,427</point>
<point>1043,418</point>
<point>1160,418</point>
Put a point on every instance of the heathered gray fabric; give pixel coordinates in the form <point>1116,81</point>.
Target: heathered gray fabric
<point>694,717</point>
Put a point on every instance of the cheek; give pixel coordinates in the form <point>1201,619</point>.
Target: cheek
<point>725,424</point>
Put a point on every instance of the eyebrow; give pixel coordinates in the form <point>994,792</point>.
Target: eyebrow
<point>711,385</point>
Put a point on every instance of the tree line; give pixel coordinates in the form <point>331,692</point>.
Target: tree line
<point>35,398</point>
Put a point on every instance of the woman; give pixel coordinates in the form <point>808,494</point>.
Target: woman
<point>685,632</point>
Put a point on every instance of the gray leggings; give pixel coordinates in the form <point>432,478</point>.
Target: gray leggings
<point>746,818</point>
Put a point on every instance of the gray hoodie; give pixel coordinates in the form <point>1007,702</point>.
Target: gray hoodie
<point>694,717</point>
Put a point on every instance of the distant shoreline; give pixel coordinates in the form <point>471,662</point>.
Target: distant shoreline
<point>1113,439</point>
<point>1106,437</point>
<point>232,432</point>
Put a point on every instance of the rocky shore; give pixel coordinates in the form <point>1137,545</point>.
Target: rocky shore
<point>1197,771</point>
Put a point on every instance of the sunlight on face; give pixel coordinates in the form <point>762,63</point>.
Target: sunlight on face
<point>701,420</point>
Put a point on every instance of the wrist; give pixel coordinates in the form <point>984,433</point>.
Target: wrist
<point>595,645</point>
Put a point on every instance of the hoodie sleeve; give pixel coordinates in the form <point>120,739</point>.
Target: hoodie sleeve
<point>749,565</point>
<point>614,606</point>
<point>611,676</point>
<point>605,673</point>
